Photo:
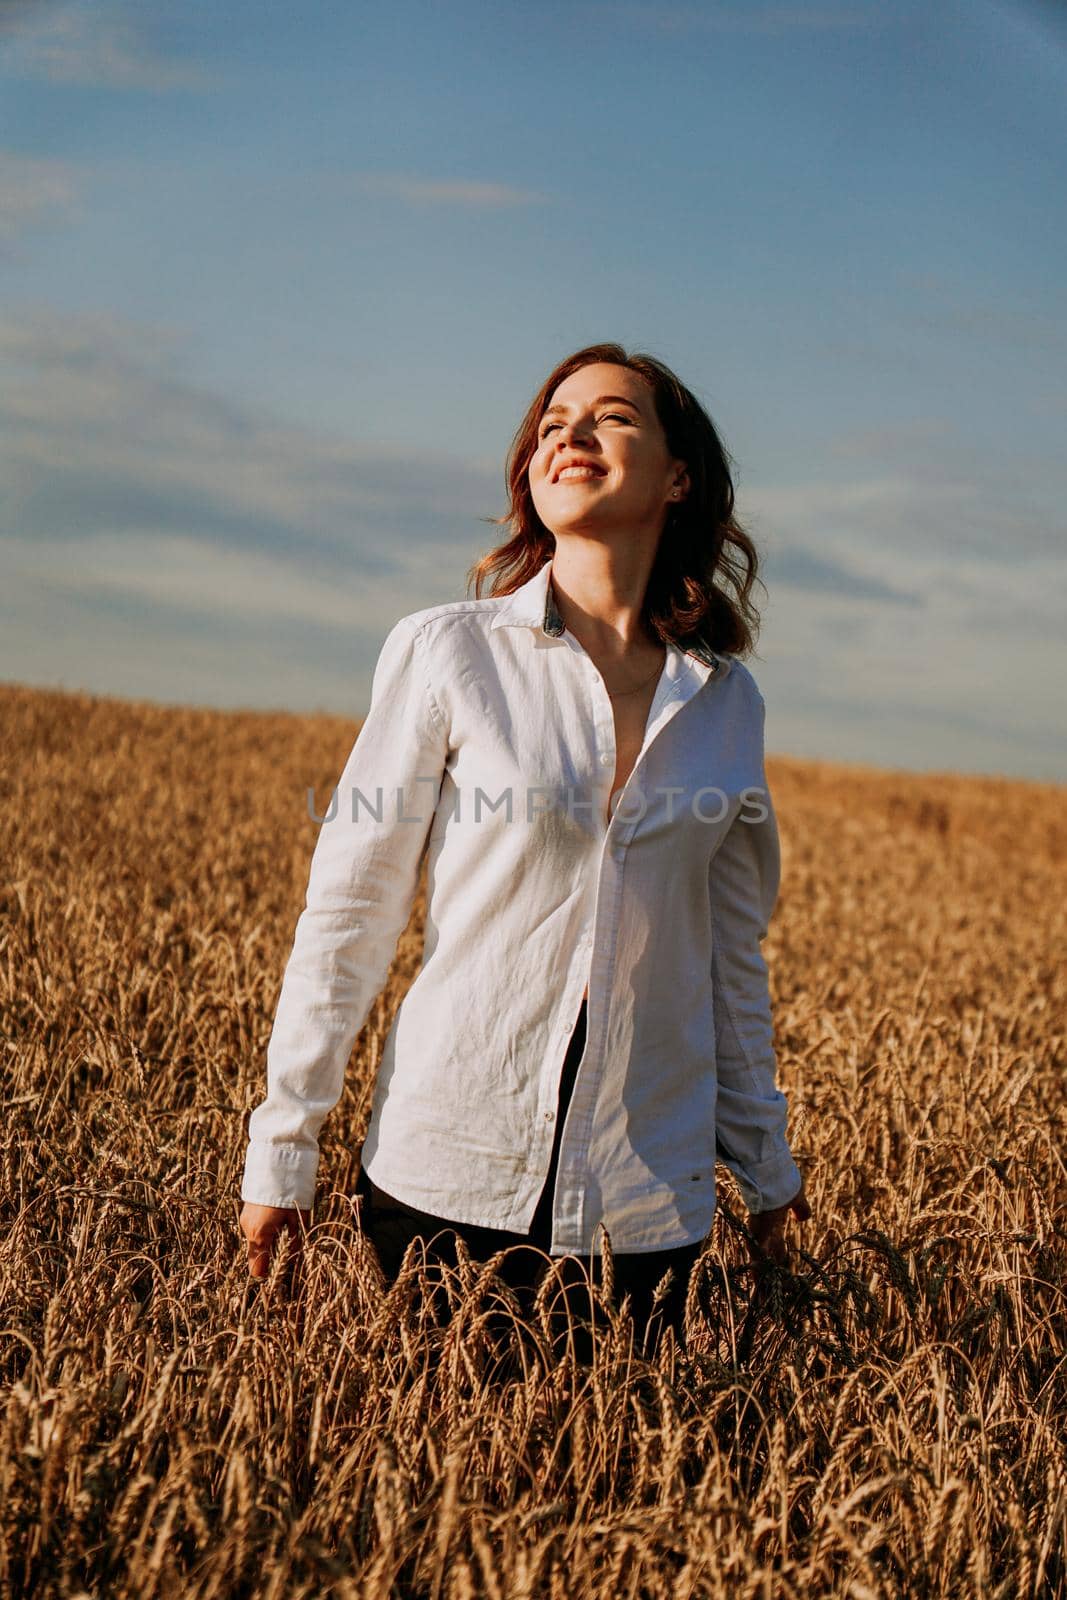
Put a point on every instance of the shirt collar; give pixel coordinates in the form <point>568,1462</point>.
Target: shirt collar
<point>533,605</point>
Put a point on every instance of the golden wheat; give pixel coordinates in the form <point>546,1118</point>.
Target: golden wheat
<point>889,1419</point>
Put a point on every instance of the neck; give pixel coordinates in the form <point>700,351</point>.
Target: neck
<point>600,595</point>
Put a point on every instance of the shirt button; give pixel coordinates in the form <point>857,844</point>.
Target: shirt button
<point>550,1116</point>
<point>605,758</point>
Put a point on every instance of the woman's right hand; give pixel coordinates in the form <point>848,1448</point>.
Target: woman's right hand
<point>767,1227</point>
<point>262,1226</point>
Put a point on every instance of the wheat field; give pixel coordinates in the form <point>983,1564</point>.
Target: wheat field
<point>888,1418</point>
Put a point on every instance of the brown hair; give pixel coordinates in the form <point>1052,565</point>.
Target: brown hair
<point>706,563</point>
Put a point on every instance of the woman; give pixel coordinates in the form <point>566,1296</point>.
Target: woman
<point>582,753</point>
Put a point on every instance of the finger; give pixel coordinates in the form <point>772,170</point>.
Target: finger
<point>259,1260</point>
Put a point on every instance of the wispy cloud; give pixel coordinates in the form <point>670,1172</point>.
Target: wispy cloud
<point>960,669</point>
<point>97,45</point>
<point>436,191</point>
<point>158,538</point>
<point>35,191</point>
<point>922,487</point>
<point>802,568</point>
<point>189,576</point>
<point>132,491</point>
<point>103,439</point>
<point>942,305</point>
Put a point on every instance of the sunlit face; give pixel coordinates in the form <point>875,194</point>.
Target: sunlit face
<point>603,417</point>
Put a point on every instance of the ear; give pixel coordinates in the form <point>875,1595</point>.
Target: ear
<point>680,479</point>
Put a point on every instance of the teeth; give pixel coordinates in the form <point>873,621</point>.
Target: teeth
<point>578,472</point>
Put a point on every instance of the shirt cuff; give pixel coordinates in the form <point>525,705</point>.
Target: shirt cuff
<point>765,1185</point>
<point>280,1175</point>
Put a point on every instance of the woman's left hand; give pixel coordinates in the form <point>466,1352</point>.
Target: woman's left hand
<point>768,1227</point>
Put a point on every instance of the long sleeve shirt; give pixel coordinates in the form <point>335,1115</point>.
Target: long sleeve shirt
<point>490,746</point>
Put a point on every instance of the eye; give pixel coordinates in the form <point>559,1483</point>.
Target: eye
<point>617,416</point>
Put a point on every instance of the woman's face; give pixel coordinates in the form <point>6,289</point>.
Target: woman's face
<point>604,415</point>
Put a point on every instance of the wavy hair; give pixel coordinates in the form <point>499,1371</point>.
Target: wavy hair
<point>706,564</point>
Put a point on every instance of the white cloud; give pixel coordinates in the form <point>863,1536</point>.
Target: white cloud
<point>99,431</point>
<point>98,44</point>
<point>187,574</point>
<point>34,190</point>
<point>149,527</point>
<point>943,493</point>
<point>943,306</point>
<point>436,191</point>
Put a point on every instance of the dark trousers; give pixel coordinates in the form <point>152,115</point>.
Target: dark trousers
<point>392,1224</point>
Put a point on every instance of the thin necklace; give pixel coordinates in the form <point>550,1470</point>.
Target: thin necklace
<point>613,694</point>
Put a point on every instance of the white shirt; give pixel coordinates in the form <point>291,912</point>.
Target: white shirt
<point>475,705</point>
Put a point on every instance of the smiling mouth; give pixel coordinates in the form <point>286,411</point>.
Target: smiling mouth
<point>578,474</point>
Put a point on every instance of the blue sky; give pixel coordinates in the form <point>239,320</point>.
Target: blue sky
<point>278,284</point>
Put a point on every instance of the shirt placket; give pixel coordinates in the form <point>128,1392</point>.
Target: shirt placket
<point>598,942</point>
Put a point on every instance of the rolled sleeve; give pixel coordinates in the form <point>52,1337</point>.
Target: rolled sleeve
<point>751,1111</point>
<point>361,887</point>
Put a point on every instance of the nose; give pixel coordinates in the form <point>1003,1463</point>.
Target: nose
<point>568,440</point>
<point>568,432</point>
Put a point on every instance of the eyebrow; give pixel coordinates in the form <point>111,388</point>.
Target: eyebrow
<point>601,399</point>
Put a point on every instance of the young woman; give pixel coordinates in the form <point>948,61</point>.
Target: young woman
<point>581,752</point>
